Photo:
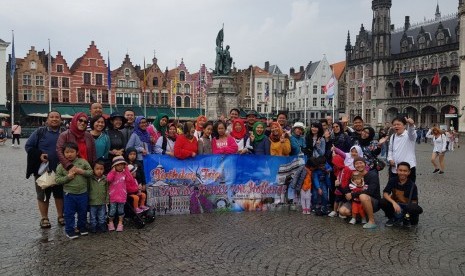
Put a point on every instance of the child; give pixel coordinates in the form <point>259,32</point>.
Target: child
<point>205,142</point>
<point>135,192</point>
<point>306,190</point>
<point>357,186</point>
<point>131,159</point>
<point>117,178</point>
<point>74,181</point>
<point>343,175</point>
<point>321,182</point>
<point>349,156</point>
<point>98,198</point>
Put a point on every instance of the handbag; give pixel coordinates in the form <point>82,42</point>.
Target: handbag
<point>378,164</point>
<point>47,179</point>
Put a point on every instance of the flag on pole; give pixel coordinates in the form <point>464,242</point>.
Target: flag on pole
<point>13,58</point>
<point>267,92</point>
<point>329,88</point>
<point>435,81</point>
<point>417,82</point>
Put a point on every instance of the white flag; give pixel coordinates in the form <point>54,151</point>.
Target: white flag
<point>417,80</point>
<point>330,87</point>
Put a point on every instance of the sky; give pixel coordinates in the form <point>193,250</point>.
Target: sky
<point>289,33</point>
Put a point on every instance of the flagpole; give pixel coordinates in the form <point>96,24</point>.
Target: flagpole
<point>363,93</point>
<point>49,77</point>
<point>175,89</point>
<point>109,82</point>
<point>335,92</point>
<point>12,75</point>
<point>145,93</point>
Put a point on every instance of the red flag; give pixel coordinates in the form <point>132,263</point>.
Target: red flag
<point>435,81</point>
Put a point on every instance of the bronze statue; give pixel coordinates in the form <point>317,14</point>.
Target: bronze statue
<point>223,60</point>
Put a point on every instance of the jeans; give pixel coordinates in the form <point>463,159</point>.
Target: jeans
<point>75,204</point>
<point>98,215</point>
<point>16,137</point>
<point>320,199</point>
<point>116,209</point>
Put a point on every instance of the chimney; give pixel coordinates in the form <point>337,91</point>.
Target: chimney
<point>407,23</point>
<point>292,71</point>
<point>267,65</point>
<point>59,53</point>
<point>301,69</point>
<point>392,27</point>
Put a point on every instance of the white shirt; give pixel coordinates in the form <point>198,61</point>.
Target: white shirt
<point>402,148</point>
<point>439,143</point>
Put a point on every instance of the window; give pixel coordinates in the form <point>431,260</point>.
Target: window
<point>40,96</point>
<point>315,89</point>
<point>27,80</point>
<point>440,39</point>
<point>105,96</point>
<point>314,101</point>
<point>434,62</point>
<point>330,102</point>
<point>300,103</point>
<point>187,102</point>
<point>93,96</point>
<point>27,95</point>
<point>98,79</point>
<point>127,99</point>
<point>322,102</point>
<point>164,99</point>
<point>135,99</point>
<point>155,81</point>
<point>178,101</point>
<point>55,98</point>
<point>182,76</point>
<point>259,86</point>
<point>127,72</point>
<point>65,82</point>
<point>187,89</point>
<point>39,80</point>
<point>119,98</point>
<point>87,77</point>
<point>132,84</point>
<point>422,42</point>
<point>442,61</point>
<point>259,108</point>
<point>259,97</point>
<point>59,68</point>
<point>404,46</point>
<point>178,88</point>
<point>65,96</point>
<point>424,63</point>
<point>454,59</point>
<point>54,81</point>
<point>81,95</point>
<point>121,83</point>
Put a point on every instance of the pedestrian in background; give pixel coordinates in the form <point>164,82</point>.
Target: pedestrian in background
<point>16,133</point>
<point>439,148</point>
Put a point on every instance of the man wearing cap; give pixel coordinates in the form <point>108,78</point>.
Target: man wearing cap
<point>297,138</point>
<point>369,198</point>
<point>251,119</point>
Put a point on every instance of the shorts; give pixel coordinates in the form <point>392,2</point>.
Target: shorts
<point>374,203</point>
<point>45,194</point>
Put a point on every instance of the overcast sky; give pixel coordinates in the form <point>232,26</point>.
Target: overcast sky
<point>289,33</point>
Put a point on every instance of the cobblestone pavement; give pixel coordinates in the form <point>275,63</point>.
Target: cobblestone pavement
<point>275,243</point>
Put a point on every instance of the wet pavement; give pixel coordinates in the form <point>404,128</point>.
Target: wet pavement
<point>274,243</point>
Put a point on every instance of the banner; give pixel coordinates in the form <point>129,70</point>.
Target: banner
<point>217,183</point>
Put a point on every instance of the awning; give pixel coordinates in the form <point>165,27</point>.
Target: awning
<point>3,115</point>
<point>34,110</point>
<point>66,112</point>
<point>187,113</point>
<point>4,109</point>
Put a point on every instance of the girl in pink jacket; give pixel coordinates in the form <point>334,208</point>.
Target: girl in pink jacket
<point>222,143</point>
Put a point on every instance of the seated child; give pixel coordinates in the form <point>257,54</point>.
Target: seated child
<point>98,198</point>
<point>117,178</point>
<point>131,159</point>
<point>357,186</point>
<point>135,192</point>
<point>343,175</point>
<point>74,183</point>
<point>321,182</point>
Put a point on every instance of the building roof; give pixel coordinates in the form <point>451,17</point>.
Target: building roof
<point>310,69</point>
<point>338,69</point>
<point>274,69</point>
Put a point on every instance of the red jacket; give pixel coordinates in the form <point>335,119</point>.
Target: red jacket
<point>183,147</point>
<point>342,172</point>
<point>68,136</point>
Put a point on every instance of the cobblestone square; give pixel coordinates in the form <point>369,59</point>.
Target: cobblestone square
<point>268,243</point>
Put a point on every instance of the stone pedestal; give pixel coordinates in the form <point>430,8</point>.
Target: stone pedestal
<point>221,97</point>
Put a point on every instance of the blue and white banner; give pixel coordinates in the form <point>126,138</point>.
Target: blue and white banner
<point>209,183</point>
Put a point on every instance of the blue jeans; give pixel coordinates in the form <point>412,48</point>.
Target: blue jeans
<point>116,209</point>
<point>98,215</point>
<point>75,204</point>
<point>323,199</point>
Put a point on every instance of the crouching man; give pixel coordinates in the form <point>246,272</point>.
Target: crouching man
<point>400,199</point>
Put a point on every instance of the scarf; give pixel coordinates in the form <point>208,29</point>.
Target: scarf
<point>144,136</point>
<point>273,137</point>
<point>158,127</point>
<point>258,138</point>
<point>199,123</point>
<point>73,126</point>
<point>366,142</point>
<point>238,134</point>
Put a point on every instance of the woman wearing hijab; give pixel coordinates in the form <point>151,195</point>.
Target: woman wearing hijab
<point>280,145</point>
<point>186,144</point>
<point>222,143</point>
<point>201,120</point>
<point>339,138</point>
<point>77,134</point>
<point>159,127</point>
<point>165,144</point>
<point>239,133</point>
<point>370,148</point>
<point>259,141</point>
<point>140,138</point>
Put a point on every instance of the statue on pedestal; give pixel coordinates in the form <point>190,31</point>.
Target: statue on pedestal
<point>223,60</point>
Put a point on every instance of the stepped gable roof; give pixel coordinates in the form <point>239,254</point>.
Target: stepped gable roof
<point>338,69</point>
<point>449,24</point>
<point>91,52</point>
<point>310,69</point>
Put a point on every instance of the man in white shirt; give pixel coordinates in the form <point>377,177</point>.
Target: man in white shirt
<point>402,146</point>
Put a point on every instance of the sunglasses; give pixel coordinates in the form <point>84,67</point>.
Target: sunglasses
<point>82,121</point>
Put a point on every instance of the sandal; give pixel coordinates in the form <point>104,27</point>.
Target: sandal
<point>45,223</point>
<point>61,221</point>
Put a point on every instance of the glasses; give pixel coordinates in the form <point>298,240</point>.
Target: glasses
<point>82,121</point>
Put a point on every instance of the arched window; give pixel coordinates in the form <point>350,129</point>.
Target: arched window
<point>155,81</point>
<point>187,102</point>
<point>182,76</point>
<point>440,39</point>
<point>434,62</point>
<point>404,46</point>
<point>178,101</point>
<point>187,88</point>
<point>454,59</point>
<point>454,85</point>
<point>442,61</point>
<point>178,88</point>
<point>422,42</point>
<point>127,72</point>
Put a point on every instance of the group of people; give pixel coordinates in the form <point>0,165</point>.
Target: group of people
<point>99,162</point>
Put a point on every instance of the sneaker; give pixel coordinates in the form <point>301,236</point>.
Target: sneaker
<point>342,217</point>
<point>370,226</point>
<point>102,228</point>
<point>440,172</point>
<point>138,210</point>
<point>406,223</point>
<point>143,207</point>
<point>119,228</point>
<point>111,226</point>
<point>436,170</point>
<point>390,222</point>
<point>364,220</point>
<point>332,214</point>
<point>84,232</point>
<point>72,236</point>
<point>353,221</point>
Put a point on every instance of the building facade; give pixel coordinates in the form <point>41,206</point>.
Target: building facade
<point>126,85</point>
<point>410,71</point>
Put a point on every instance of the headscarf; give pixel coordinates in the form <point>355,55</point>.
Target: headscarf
<point>158,127</point>
<point>273,137</point>
<point>73,126</point>
<point>144,136</point>
<point>258,138</point>
<point>349,161</point>
<point>198,124</point>
<point>341,129</point>
<point>241,134</point>
<point>367,141</point>
<point>175,134</point>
